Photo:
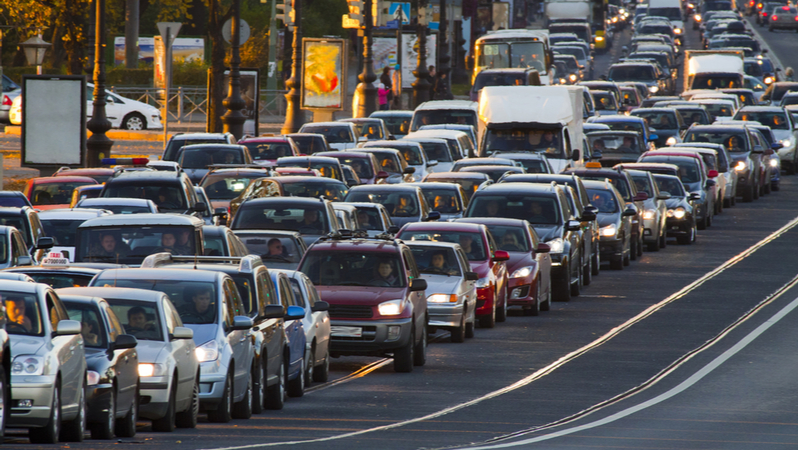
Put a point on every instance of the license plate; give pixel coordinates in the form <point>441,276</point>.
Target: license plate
<point>346,331</point>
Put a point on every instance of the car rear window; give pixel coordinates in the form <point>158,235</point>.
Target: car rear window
<point>538,210</point>
<point>471,242</point>
<point>354,268</point>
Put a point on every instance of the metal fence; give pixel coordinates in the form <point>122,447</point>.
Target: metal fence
<point>189,104</point>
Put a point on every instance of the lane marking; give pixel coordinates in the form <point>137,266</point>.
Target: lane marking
<point>689,382</point>
<point>552,366</point>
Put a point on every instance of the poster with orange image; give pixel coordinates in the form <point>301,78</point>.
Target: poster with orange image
<point>323,74</point>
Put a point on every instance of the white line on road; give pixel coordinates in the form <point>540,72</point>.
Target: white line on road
<point>554,365</point>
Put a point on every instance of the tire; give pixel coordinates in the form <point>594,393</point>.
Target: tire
<point>501,312</point>
<point>575,288</point>
<point>4,404</point>
<point>626,259</point>
<point>687,240</point>
<point>134,121</point>
<point>276,394</point>
<point>469,330</point>
<point>617,262</point>
<point>768,187</point>
<point>596,260</point>
<point>457,333</point>
<point>727,203</point>
<point>652,246</point>
<point>747,197</point>
<point>709,220</point>
<point>756,191</point>
<point>49,433</point>
<point>167,423</point>
<point>702,224</point>
<point>243,409</point>
<point>310,365</point>
<point>321,372</point>
<point>634,250</point>
<point>545,305</point>
<point>126,426</point>
<point>259,387</point>
<point>562,289</point>
<point>105,429</point>
<point>587,273</point>
<point>662,239</point>
<point>73,431</point>
<point>533,310</point>
<point>296,387</point>
<point>223,412</point>
<point>421,350</point>
<point>404,357</point>
<point>488,321</point>
<point>188,418</point>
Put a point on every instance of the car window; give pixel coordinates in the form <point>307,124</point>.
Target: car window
<point>354,268</point>
<point>535,209</point>
<point>23,314</point>
<point>436,260</point>
<point>297,291</point>
<point>312,291</point>
<point>114,327</point>
<point>397,204</point>
<point>287,298</point>
<point>266,290</point>
<point>471,241</point>
<point>306,220</point>
<point>92,326</point>
<point>233,302</point>
<point>140,319</point>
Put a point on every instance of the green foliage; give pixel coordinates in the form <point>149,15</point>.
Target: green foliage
<point>459,89</point>
<point>120,76</point>
<point>189,73</point>
<point>324,18</point>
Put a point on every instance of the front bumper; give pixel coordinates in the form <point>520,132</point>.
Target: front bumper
<point>98,400</point>
<point>153,397</point>
<point>650,230</point>
<point>445,314</point>
<point>39,389</point>
<point>374,338</point>
<point>520,292</point>
<point>485,301</point>
<point>212,382</point>
<point>679,227</point>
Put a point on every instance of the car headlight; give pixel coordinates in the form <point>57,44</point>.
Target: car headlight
<point>609,231</point>
<point>207,352</point>
<point>786,143</point>
<point>768,80</point>
<point>677,30</point>
<point>482,283</point>
<point>27,365</point>
<point>671,141</point>
<point>600,38</point>
<point>653,89</point>
<point>678,213</point>
<point>522,272</point>
<point>556,245</point>
<point>740,166</point>
<point>648,214</point>
<point>573,77</point>
<point>391,308</point>
<point>698,17</point>
<point>773,163</point>
<point>92,378</point>
<point>562,80</point>
<point>443,298</point>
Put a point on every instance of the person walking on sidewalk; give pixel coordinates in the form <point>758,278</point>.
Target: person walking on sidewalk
<point>383,94</point>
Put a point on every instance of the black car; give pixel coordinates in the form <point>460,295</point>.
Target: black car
<point>197,160</point>
<point>172,192</point>
<point>309,143</point>
<point>666,123</point>
<point>614,220</point>
<point>681,222</point>
<point>545,206</point>
<point>311,217</point>
<point>180,140</point>
<point>404,203</point>
<point>14,199</point>
<point>26,220</point>
<point>112,378</point>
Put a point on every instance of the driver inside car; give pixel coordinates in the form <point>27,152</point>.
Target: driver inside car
<point>384,275</point>
<point>439,263</point>
<point>15,311</point>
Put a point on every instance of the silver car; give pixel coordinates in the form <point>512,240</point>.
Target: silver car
<point>48,369</point>
<point>278,249</point>
<point>452,295</point>
<point>654,216</point>
<point>168,368</point>
<point>207,303</point>
<point>373,218</point>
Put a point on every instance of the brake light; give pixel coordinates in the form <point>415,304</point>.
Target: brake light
<point>760,6</point>
<point>774,17</point>
<point>785,8</point>
<point>752,2</point>
<point>764,14</point>
<point>6,100</point>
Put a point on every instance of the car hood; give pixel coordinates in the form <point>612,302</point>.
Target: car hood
<point>548,232</point>
<point>341,145</point>
<point>359,295</point>
<point>695,187</point>
<point>448,217</point>
<point>482,268</point>
<point>203,333</point>
<point>400,221</point>
<point>740,156</point>
<point>783,134</point>
<point>25,345</point>
<point>606,219</point>
<point>517,260</point>
<point>675,202</point>
<point>441,284</point>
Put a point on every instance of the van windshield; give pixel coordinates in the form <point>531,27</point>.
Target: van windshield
<point>673,13</point>
<point>131,244</point>
<point>545,141</point>
<point>443,116</point>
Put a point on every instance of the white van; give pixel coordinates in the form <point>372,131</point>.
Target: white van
<point>672,10</point>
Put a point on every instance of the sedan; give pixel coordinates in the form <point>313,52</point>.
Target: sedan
<point>654,215</point>
<point>112,397</point>
<point>681,221</point>
<point>448,199</point>
<point>404,203</point>
<point>196,160</point>
<point>451,287</point>
<point>119,205</point>
<point>295,332</point>
<point>278,249</point>
<point>614,220</point>
<point>783,18</point>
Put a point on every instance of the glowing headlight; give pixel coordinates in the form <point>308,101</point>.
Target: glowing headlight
<point>740,166</point>
<point>482,283</point>
<point>677,30</point>
<point>572,77</point>
<point>648,214</point>
<point>678,213</point>
<point>27,365</point>
<point>562,80</point>
<point>786,143</point>
<point>522,272</point>
<point>653,89</point>
<point>92,378</point>
<point>768,80</point>
<point>556,245</point>
<point>690,6</point>
<point>671,141</point>
<point>147,370</point>
<point>391,308</point>
<point>442,298</point>
<point>207,352</point>
<point>600,38</point>
<point>609,231</point>
<point>698,17</point>
<point>773,163</point>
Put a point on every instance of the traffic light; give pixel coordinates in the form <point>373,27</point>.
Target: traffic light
<point>288,13</point>
<point>356,11</point>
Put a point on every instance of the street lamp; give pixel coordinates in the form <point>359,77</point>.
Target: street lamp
<point>35,49</point>
<point>421,86</point>
<point>366,91</point>
<point>233,120</point>
<point>98,146</point>
<point>294,118</point>
<point>444,58</point>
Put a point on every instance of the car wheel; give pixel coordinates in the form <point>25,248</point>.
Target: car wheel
<point>223,412</point>
<point>709,219</point>
<point>634,251</point>
<point>296,387</point>
<point>167,423</point>
<point>259,386</point>
<point>502,310</point>
<point>126,427</point>
<point>596,259</point>
<point>134,122</point>
<point>747,196</point>
<point>188,418</point>
<point>310,366</point>
<point>662,239</point>
<point>321,372</point>
<point>545,305</point>
<point>626,259</point>
<point>488,320</point>
<point>74,430</point>
<point>105,429</point>
<point>617,262</point>
<point>756,190</point>
<point>534,309</point>
<point>243,409</point>
<point>575,288</point>
<point>4,404</point>
<point>404,356</point>
<point>562,286</point>
<point>457,333</point>
<point>733,199</point>
<point>420,350</point>
<point>50,432</point>
<point>587,273</point>
<point>469,330</point>
<point>768,187</point>
<point>276,394</point>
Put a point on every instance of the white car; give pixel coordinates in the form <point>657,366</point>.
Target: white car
<point>121,112</point>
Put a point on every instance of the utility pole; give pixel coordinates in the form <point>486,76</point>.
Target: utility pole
<point>366,93</point>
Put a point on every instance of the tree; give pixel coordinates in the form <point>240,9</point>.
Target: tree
<point>216,85</point>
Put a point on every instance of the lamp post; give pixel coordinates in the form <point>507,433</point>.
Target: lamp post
<point>366,91</point>
<point>294,118</point>
<point>421,86</point>
<point>233,119</point>
<point>444,57</point>
<point>35,49</point>
<point>98,146</point>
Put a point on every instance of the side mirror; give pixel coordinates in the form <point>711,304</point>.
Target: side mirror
<point>320,306</point>
<point>542,248</point>
<point>44,243</point>
<point>124,341</point>
<point>242,323</point>
<point>776,146</point>
<point>694,196</point>
<point>68,328</point>
<point>573,225</point>
<point>418,284</point>
<point>653,137</point>
<point>182,333</point>
<point>382,174</point>
<point>409,170</point>
<point>713,174</point>
<point>500,255</point>
<point>273,312</point>
<point>433,216</point>
<point>664,196</point>
<point>199,207</point>
<point>294,312</point>
<point>588,216</point>
<point>24,260</point>
<point>471,276</point>
<point>432,163</point>
<point>393,229</point>
<point>576,155</point>
<point>640,197</point>
<point>628,212</point>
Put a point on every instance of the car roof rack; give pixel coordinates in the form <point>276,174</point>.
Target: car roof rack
<point>246,263</point>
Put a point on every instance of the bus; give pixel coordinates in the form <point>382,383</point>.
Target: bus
<point>517,49</point>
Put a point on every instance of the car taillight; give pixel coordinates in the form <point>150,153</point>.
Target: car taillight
<point>760,6</point>
<point>6,100</point>
<point>764,14</point>
<point>752,2</point>
<point>774,17</point>
<point>785,8</point>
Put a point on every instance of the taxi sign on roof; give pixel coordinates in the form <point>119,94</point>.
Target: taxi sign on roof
<point>55,259</point>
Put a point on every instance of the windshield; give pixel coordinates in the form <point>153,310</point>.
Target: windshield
<point>436,260</point>
<point>577,52</point>
<point>92,327</point>
<point>397,204</point>
<point>340,268</point>
<point>306,220</point>
<point>388,162</point>
<point>753,68</point>
<point>412,155</point>
<point>23,314</point>
<point>370,129</point>
<point>443,116</point>
<point>688,170</point>
<point>176,144</point>
<point>196,301</point>
<point>603,200</point>
<point>582,31</point>
<point>331,190</point>
<point>329,170</point>
<point>471,242</point>
<point>58,280</point>
<point>168,197</point>
<point>535,165</point>
<point>140,319</point>
<point>632,73</point>
<point>437,151</point>
<point>624,126</point>
<point>642,183</point>
<point>776,120</point>
<point>55,193</point>
<point>271,247</point>
<point>669,13</point>
<point>130,245</point>
<point>361,166</point>
<point>658,120</point>
<point>397,125</point>
<point>62,231</point>
<point>19,223</point>
<point>536,210</point>
<point>718,109</point>
<point>692,116</point>
<point>201,158</point>
<point>510,239</point>
<point>470,185</point>
<point>614,143</point>
<point>497,79</point>
<point>716,81</point>
<point>670,184</point>
<point>118,209</point>
<point>262,151</point>
<point>511,55</point>
<point>734,141</point>
<point>333,134</point>
<point>218,188</point>
<point>604,101</point>
<point>308,145</point>
<point>655,29</point>
<point>524,140</point>
<point>443,200</point>
<point>570,62</point>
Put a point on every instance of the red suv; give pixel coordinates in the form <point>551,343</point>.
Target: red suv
<point>484,259</point>
<point>377,299</point>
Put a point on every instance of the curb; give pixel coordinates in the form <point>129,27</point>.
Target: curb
<point>120,135</point>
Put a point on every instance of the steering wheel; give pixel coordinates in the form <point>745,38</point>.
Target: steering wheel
<point>14,328</point>
<point>379,283</point>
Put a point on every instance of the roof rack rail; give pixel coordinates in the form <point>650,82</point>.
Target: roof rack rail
<point>246,263</point>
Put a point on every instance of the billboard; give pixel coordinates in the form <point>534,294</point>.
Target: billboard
<point>54,129</point>
<point>410,51</point>
<point>182,48</point>
<point>323,74</point>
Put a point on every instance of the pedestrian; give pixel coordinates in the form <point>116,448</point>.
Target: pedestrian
<point>386,79</point>
<point>383,97</point>
<point>432,80</point>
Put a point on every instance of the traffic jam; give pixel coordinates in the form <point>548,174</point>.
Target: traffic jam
<point>225,278</point>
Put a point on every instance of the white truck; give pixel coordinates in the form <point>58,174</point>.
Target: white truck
<point>713,69</point>
<point>533,119</point>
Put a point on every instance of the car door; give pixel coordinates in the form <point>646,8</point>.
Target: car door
<point>182,351</point>
<point>467,287</point>
<point>70,352</point>
<point>418,298</point>
<point>240,342</point>
<point>271,329</point>
<point>321,320</point>
<point>127,361</point>
<point>498,267</point>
